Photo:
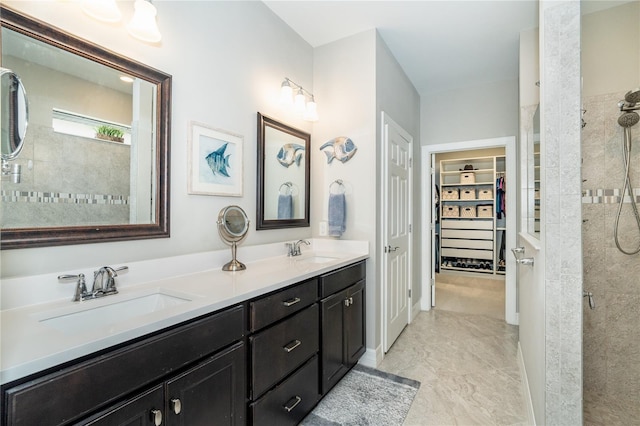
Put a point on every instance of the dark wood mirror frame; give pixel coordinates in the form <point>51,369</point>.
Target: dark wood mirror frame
<point>42,237</point>
<point>261,222</point>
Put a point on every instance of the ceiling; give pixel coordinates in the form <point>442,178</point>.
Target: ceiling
<point>441,45</point>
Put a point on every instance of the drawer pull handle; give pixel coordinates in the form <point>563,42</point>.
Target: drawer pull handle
<point>156,417</point>
<point>176,404</point>
<point>291,346</point>
<point>291,302</point>
<point>296,400</point>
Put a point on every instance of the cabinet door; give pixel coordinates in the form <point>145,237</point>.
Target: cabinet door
<point>211,393</point>
<point>354,324</point>
<point>138,411</point>
<point>333,340</point>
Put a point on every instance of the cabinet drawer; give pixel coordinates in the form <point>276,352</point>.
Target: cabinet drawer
<point>341,279</point>
<point>271,308</point>
<point>467,224</point>
<point>467,234</point>
<point>472,254</point>
<point>470,244</point>
<point>92,384</point>
<point>291,401</point>
<point>278,350</point>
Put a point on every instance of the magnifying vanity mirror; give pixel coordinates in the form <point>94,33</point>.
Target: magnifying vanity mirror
<point>283,175</point>
<point>80,184</point>
<point>233,226</point>
<point>14,115</point>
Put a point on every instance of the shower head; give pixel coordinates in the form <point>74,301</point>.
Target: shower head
<point>633,96</point>
<point>628,119</point>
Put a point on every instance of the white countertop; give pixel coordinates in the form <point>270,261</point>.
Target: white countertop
<point>30,345</point>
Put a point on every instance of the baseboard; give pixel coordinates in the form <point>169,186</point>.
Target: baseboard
<point>415,310</point>
<point>372,357</point>
<point>531,418</point>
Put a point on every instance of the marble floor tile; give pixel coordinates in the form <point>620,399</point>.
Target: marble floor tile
<point>467,366</point>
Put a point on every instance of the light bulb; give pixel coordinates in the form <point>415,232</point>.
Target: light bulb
<point>286,93</point>
<point>311,112</point>
<point>300,101</point>
<point>143,24</point>
<point>102,10</point>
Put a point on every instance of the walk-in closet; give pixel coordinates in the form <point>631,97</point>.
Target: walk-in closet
<point>471,231</point>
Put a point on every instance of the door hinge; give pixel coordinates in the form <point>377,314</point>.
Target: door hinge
<point>409,293</point>
<point>433,170</point>
<point>410,228</point>
<point>411,162</point>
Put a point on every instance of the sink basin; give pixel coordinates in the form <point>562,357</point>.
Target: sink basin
<point>90,317</point>
<point>318,259</point>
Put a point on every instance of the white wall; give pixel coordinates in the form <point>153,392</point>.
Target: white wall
<point>344,82</point>
<point>480,112</point>
<point>227,60</point>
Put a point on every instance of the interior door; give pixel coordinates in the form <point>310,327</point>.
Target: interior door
<point>397,223</point>
<point>435,232</point>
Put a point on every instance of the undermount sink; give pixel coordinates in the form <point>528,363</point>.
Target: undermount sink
<point>70,320</point>
<point>318,259</point>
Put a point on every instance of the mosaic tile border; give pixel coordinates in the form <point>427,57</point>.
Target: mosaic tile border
<point>607,196</point>
<point>62,198</point>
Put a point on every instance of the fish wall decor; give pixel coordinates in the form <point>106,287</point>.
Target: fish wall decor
<point>290,153</point>
<point>218,162</point>
<point>341,148</point>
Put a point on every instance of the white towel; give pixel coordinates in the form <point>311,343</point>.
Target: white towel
<point>337,214</point>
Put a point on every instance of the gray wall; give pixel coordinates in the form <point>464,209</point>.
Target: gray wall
<point>471,113</point>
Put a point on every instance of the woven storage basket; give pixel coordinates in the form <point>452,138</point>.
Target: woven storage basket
<point>468,212</point>
<point>467,177</point>
<point>485,194</point>
<point>485,211</point>
<point>450,211</point>
<point>468,194</point>
<point>450,194</point>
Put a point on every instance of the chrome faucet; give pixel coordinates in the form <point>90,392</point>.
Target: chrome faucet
<point>104,283</point>
<point>294,248</point>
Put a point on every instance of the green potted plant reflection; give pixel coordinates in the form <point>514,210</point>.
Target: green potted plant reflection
<point>109,133</point>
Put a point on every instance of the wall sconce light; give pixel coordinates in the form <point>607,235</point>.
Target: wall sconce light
<point>308,109</point>
<point>102,10</point>
<point>143,25</point>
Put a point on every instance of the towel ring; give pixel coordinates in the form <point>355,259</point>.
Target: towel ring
<point>340,185</point>
<point>289,188</point>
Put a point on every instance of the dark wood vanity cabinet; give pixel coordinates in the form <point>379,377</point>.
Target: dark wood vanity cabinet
<point>284,355</point>
<point>197,357</point>
<point>342,322</point>
<point>267,361</point>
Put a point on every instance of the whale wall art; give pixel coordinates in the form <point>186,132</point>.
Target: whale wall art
<point>215,161</point>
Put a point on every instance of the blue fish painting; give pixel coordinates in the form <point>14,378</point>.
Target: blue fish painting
<point>290,153</point>
<point>218,162</point>
<point>341,148</point>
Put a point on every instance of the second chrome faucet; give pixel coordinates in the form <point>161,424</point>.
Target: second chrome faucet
<point>293,249</point>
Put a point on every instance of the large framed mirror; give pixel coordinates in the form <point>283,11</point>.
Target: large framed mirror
<point>95,161</point>
<point>283,175</point>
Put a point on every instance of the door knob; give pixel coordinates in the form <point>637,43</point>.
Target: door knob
<point>525,261</point>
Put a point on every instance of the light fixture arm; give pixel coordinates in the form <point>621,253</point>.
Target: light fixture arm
<point>299,87</point>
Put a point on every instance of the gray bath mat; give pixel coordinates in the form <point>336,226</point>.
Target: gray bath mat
<point>365,396</point>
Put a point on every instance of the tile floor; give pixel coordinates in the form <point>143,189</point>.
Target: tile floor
<point>466,363</point>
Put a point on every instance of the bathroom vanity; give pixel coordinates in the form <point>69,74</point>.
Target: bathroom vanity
<point>266,359</point>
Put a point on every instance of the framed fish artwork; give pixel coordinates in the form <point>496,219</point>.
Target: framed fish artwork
<point>215,161</point>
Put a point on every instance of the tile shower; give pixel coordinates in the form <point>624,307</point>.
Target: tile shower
<point>611,331</point>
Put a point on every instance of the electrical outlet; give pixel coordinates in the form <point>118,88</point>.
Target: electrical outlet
<point>323,228</point>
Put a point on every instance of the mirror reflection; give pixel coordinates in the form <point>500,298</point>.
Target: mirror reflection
<point>94,165</point>
<point>283,178</point>
<point>533,175</point>
<point>14,114</point>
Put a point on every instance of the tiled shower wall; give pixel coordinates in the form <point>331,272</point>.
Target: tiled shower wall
<point>72,181</point>
<point>612,329</point>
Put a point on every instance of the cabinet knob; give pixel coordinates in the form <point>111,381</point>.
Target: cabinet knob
<point>176,405</point>
<point>346,302</point>
<point>156,417</point>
